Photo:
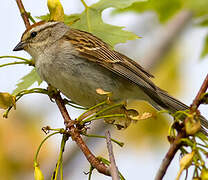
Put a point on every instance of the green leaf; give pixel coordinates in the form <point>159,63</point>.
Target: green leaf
<point>205,48</point>
<point>108,33</point>
<point>27,81</point>
<point>44,17</point>
<point>164,9</point>
<point>103,4</point>
<point>91,21</point>
<point>67,19</point>
<point>91,18</point>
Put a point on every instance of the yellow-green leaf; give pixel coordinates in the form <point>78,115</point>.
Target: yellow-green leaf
<point>103,4</point>
<point>91,21</point>
<point>56,10</point>
<point>69,20</point>
<point>164,9</point>
<point>27,81</point>
<point>6,100</point>
<point>185,162</point>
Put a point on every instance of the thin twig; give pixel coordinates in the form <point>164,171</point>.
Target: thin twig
<point>171,32</point>
<point>175,146</point>
<point>77,138</point>
<point>69,123</point>
<point>113,167</point>
<point>23,13</point>
<point>202,90</point>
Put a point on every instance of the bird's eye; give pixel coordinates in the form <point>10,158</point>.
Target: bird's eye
<point>33,34</point>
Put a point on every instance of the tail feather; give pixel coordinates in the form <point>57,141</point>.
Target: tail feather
<point>174,105</point>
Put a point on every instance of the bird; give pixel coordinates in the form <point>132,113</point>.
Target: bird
<point>77,63</point>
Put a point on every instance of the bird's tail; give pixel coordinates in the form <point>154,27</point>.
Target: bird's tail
<point>174,105</point>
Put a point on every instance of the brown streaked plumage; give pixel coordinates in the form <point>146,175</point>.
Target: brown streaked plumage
<point>94,49</point>
<point>78,63</point>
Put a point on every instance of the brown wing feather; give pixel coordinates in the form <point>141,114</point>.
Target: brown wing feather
<point>94,49</point>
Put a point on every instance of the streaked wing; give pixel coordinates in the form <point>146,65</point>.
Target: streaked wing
<point>94,49</point>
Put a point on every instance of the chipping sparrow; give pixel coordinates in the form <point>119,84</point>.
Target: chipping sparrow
<point>78,63</point>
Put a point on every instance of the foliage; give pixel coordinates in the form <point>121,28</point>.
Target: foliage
<point>194,146</point>
<point>90,20</point>
<point>196,157</point>
<point>164,9</point>
<point>86,117</point>
<point>27,81</point>
<point>121,114</point>
<point>167,9</point>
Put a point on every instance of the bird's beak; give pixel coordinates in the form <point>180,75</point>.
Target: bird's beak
<point>20,46</point>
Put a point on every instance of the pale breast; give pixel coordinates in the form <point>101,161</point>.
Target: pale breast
<point>79,78</point>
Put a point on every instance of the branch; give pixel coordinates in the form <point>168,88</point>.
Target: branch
<point>77,138</point>
<point>175,146</point>
<point>23,13</point>
<point>69,123</point>
<point>167,39</point>
<point>202,90</point>
<point>74,131</point>
<point>113,167</point>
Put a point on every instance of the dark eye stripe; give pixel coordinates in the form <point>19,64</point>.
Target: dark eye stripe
<point>33,34</point>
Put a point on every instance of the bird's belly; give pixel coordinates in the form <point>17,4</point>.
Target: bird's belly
<point>79,79</point>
